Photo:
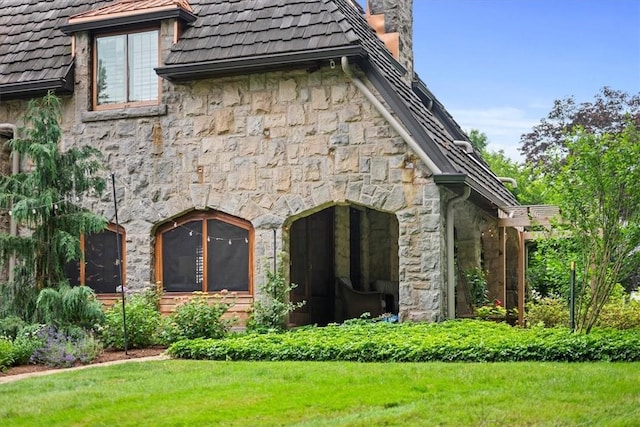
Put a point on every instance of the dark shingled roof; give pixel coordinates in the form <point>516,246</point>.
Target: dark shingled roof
<point>253,35</point>
<point>35,55</point>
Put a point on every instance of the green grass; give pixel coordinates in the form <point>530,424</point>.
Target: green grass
<point>192,393</point>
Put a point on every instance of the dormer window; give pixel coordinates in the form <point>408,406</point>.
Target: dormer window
<point>126,48</point>
<point>124,69</point>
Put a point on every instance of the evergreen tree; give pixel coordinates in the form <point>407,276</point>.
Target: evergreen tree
<point>43,201</point>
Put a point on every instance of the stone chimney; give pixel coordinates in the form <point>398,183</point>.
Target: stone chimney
<point>393,22</point>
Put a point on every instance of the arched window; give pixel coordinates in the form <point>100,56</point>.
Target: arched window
<point>205,251</point>
<point>100,269</point>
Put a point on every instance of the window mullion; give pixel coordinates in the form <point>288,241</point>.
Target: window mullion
<point>83,260</point>
<point>205,257</point>
<point>126,69</point>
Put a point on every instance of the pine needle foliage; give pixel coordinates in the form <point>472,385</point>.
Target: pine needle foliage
<point>43,199</point>
<point>69,306</point>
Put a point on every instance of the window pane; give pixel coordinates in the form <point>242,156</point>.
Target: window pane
<point>143,57</point>
<point>111,69</point>
<point>72,272</point>
<point>102,272</point>
<point>228,257</point>
<point>182,258</point>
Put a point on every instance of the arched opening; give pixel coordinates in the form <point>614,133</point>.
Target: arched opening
<point>344,260</point>
<point>205,251</point>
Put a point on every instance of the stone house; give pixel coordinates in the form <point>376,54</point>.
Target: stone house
<point>239,130</point>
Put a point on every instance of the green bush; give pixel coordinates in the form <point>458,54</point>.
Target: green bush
<point>198,317</point>
<point>6,353</point>
<point>26,343</point>
<point>10,326</point>
<point>621,314</point>
<point>549,312</point>
<point>143,321</point>
<point>70,306</point>
<point>459,340</point>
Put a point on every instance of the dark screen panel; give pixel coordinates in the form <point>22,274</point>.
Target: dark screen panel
<point>228,253</point>
<point>101,268</point>
<point>182,258</point>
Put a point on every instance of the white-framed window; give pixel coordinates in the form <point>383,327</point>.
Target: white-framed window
<point>124,69</point>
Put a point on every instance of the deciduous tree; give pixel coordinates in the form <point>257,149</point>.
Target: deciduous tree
<point>598,191</point>
<point>609,113</point>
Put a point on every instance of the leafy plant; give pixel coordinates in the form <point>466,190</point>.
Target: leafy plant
<point>10,326</point>
<point>458,340</point>
<point>6,353</point>
<point>271,310</point>
<point>200,316</point>
<point>143,321</point>
<point>488,311</point>
<point>620,311</point>
<point>478,289</point>
<point>547,311</point>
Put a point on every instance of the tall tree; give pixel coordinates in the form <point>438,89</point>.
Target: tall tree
<point>598,191</point>
<point>478,139</point>
<point>43,201</point>
<point>531,188</point>
<point>610,112</point>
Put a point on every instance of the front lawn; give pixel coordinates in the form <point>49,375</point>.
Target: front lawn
<point>191,393</point>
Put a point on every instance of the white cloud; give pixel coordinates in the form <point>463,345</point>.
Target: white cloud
<point>502,125</point>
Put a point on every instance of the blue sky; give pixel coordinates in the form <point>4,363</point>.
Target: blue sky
<point>498,65</point>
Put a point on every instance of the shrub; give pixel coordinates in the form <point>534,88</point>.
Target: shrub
<point>198,317</point>
<point>6,353</point>
<point>65,348</point>
<point>143,320</point>
<point>547,311</point>
<point>622,314</point>
<point>458,340</point>
<point>70,306</point>
<point>10,326</point>
<point>271,310</point>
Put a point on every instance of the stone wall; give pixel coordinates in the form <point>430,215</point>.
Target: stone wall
<point>266,147</point>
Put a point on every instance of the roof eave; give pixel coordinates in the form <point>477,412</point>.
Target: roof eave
<point>480,195</point>
<point>124,21</point>
<point>261,63</point>
<point>32,89</point>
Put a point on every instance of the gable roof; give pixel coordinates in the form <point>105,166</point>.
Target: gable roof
<point>231,36</point>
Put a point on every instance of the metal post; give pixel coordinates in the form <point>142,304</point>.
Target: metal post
<point>572,298</point>
<point>119,262</point>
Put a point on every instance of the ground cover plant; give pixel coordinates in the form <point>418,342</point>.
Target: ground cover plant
<point>179,392</point>
<point>459,340</point>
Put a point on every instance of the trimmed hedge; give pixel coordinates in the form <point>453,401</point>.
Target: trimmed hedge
<point>451,341</point>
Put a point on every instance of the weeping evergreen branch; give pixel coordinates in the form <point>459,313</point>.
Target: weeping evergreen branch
<point>44,199</point>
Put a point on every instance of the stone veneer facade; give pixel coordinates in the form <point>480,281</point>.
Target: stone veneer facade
<point>267,148</point>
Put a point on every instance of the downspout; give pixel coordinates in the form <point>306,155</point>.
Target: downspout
<point>15,168</point>
<point>511,181</point>
<point>395,124</point>
<point>468,148</point>
<point>451,274</point>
